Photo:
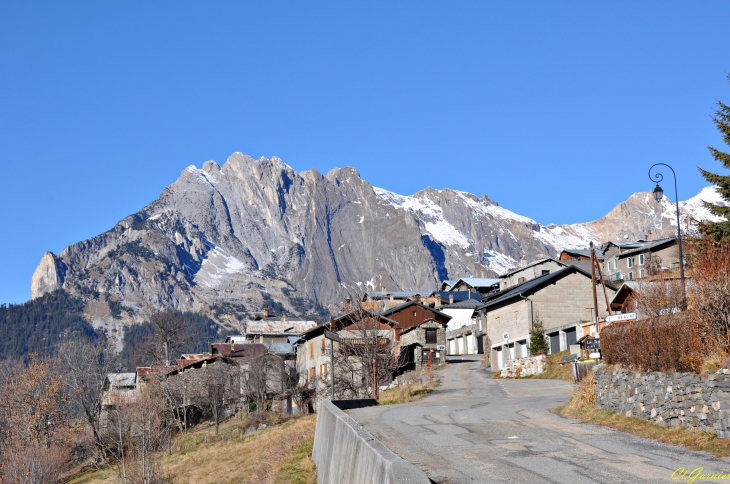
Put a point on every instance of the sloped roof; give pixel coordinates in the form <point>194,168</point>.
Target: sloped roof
<point>277,326</point>
<point>477,281</point>
<point>537,283</point>
<point>420,324</point>
<point>121,379</point>
<point>246,350</point>
<point>541,261</point>
<point>400,307</point>
<point>395,294</point>
<point>583,253</point>
<point>357,313</point>
<point>458,295</point>
<point>657,244</point>
<point>465,304</point>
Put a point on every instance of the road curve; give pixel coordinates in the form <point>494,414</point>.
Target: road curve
<point>477,429</point>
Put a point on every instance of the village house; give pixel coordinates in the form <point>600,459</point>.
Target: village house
<point>275,330</point>
<point>465,331</point>
<point>422,341</point>
<point>478,285</point>
<point>628,261</point>
<point>527,272</point>
<point>118,387</point>
<point>562,300</point>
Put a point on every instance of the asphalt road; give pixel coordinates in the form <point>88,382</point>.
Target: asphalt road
<point>477,429</point>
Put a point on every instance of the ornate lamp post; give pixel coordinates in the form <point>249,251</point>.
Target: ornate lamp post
<point>658,193</point>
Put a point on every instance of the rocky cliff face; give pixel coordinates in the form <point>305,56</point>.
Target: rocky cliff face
<point>229,240</point>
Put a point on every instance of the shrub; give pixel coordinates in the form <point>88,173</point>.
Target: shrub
<point>667,343</point>
<point>538,341</point>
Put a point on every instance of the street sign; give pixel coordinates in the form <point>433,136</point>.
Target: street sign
<point>505,336</point>
<point>331,335</point>
<point>593,344</point>
<point>441,347</point>
<point>621,317</point>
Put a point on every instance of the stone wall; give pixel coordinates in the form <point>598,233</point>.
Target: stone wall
<point>533,365</point>
<point>668,399</point>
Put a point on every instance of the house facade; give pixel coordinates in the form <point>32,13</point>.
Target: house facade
<point>562,300</point>
<point>528,272</point>
<point>419,342</point>
<point>636,260</point>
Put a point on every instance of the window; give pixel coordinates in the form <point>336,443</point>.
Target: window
<point>311,374</point>
<point>311,350</point>
<point>431,336</point>
<point>521,280</point>
<point>641,259</point>
<point>641,273</point>
<point>615,264</point>
<point>608,266</point>
<point>323,371</point>
<point>630,261</point>
<point>618,276</point>
<point>631,276</point>
<point>544,273</point>
<point>414,314</point>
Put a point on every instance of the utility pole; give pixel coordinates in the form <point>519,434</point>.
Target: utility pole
<point>375,378</point>
<point>593,287</point>
<point>430,368</point>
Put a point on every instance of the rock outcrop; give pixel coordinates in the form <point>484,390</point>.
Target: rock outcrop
<point>230,239</point>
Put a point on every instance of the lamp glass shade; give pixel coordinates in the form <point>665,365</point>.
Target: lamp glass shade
<point>658,192</point>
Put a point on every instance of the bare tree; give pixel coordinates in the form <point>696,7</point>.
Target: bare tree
<point>221,386</point>
<point>136,429</point>
<point>709,290</point>
<point>366,344</point>
<point>170,333</point>
<point>85,365</point>
<point>658,297</point>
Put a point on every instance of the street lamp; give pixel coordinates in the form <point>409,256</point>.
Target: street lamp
<point>658,193</point>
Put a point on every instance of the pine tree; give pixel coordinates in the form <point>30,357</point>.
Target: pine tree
<point>719,230</point>
<point>538,342</point>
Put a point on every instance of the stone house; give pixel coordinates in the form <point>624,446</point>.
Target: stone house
<point>562,300</point>
<point>417,343</point>
<point>529,271</point>
<point>473,284</point>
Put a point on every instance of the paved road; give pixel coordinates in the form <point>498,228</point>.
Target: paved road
<point>477,429</point>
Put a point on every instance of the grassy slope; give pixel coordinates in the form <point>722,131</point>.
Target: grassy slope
<point>277,455</point>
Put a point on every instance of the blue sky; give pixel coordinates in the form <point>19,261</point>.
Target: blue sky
<point>553,109</point>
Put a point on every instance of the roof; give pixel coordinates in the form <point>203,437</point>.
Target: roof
<point>449,282</point>
<point>465,304</point>
<point>477,281</point>
<point>395,294</point>
<point>536,284</point>
<point>245,350</point>
<point>582,253</point>
<point>459,295</point>
<point>420,324</point>
<point>400,307</point>
<point>277,326</point>
<point>145,371</point>
<point>541,261</point>
<point>122,379</point>
<point>359,313</point>
<point>281,348</point>
<point>648,247</point>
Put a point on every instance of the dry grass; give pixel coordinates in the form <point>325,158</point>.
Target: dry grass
<point>276,455</point>
<point>414,386</point>
<point>582,407</point>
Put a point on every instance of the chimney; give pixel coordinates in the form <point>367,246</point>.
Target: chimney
<point>451,299</point>
<point>265,312</point>
<point>651,237</point>
<point>523,261</point>
<point>437,298</point>
<point>347,304</point>
<point>391,297</point>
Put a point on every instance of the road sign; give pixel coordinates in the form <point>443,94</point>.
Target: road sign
<point>441,347</point>
<point>505,336</point>
<point>331,335</point>
<point>593,344</point>
<point>621,317</point>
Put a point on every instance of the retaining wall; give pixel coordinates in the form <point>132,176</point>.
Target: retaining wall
<point>344,452</point>
<point>520,368</point>
<point>668,399</point>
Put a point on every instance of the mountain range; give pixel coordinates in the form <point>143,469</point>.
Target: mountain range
<point>229,240</point>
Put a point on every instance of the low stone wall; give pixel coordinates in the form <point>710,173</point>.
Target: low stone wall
<point>668,399</point>
<point>344,452</point>
<point>532,365</point>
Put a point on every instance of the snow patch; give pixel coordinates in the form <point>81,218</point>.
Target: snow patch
<point>200,175</point>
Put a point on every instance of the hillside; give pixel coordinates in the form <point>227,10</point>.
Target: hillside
<point>227,240</point>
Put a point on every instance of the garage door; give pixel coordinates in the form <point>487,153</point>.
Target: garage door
<point>554,343</point>
<point>570,337</point>
<point>500,361</point>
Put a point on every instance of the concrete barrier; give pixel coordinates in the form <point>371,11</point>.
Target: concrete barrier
<point>344,452</point>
